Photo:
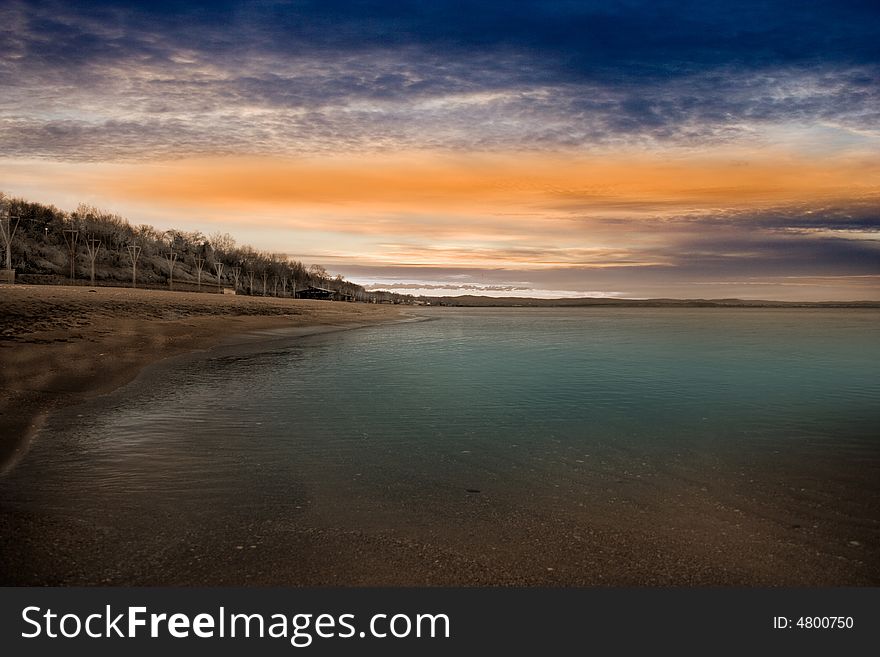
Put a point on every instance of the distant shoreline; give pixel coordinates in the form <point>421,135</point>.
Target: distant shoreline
<point>472,301</point>
<point>60,345</point>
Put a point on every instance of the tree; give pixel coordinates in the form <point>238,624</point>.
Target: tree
<point>223,243</point>
<point>317,271</point>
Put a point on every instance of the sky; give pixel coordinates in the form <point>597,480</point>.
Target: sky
<point>538,148</point>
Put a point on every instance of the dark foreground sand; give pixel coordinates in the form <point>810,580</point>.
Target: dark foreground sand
<point>61,345</point>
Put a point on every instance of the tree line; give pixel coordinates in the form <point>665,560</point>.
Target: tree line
<point>53,244</point>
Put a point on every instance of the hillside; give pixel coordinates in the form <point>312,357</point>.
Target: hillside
<point>54,246</point>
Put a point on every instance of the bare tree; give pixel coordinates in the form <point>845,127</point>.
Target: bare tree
<point>171,257</point>
<point>93,246</point>
<point>71,236</point>
<point>318,271</point>
<point>200,265</point>
<point>218,266</point>
<point>134,252</point>
<point>222,242</point>
<point>8,226</point>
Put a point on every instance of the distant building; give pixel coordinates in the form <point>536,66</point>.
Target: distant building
<point>319,293</point>
<point>323,294</point>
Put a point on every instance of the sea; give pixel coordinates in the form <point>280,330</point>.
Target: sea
<point>487,446</point>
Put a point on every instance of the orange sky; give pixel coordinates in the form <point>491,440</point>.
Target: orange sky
<point>517,211</point>
<point>630,149</point>
<point>517,198</point>
<point>423,183</point>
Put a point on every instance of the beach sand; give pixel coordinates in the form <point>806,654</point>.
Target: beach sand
<point>61,345</point>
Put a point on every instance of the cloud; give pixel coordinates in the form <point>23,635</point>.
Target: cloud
<point>759,277</point>
<point>426,288</point>
<point>504,188</point>
<point>103,81</point>
<point>615,147</point>
<point>852,216</point>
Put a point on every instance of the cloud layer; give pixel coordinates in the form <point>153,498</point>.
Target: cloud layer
<point>623,148</point>
<point>157,80</point>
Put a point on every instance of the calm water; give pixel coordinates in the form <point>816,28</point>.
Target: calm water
<point>484,432</point>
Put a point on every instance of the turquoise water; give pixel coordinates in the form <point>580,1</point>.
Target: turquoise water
<point>500,431</point>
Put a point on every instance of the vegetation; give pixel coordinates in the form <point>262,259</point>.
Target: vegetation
<point>48,239</point>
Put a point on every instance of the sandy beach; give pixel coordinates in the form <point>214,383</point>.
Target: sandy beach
<point>61,345</point>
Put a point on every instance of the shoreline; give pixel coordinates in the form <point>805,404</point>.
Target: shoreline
<point>60,346</point>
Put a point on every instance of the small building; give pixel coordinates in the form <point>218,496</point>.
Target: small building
<point>315,293</point>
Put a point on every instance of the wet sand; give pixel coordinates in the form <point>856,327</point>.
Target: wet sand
<point>62,345</point>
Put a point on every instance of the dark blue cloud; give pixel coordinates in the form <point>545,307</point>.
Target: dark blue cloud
<point>573,40</point>
<point>553,74</point>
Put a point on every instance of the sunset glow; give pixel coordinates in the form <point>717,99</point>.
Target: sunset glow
<point>532,163</point>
